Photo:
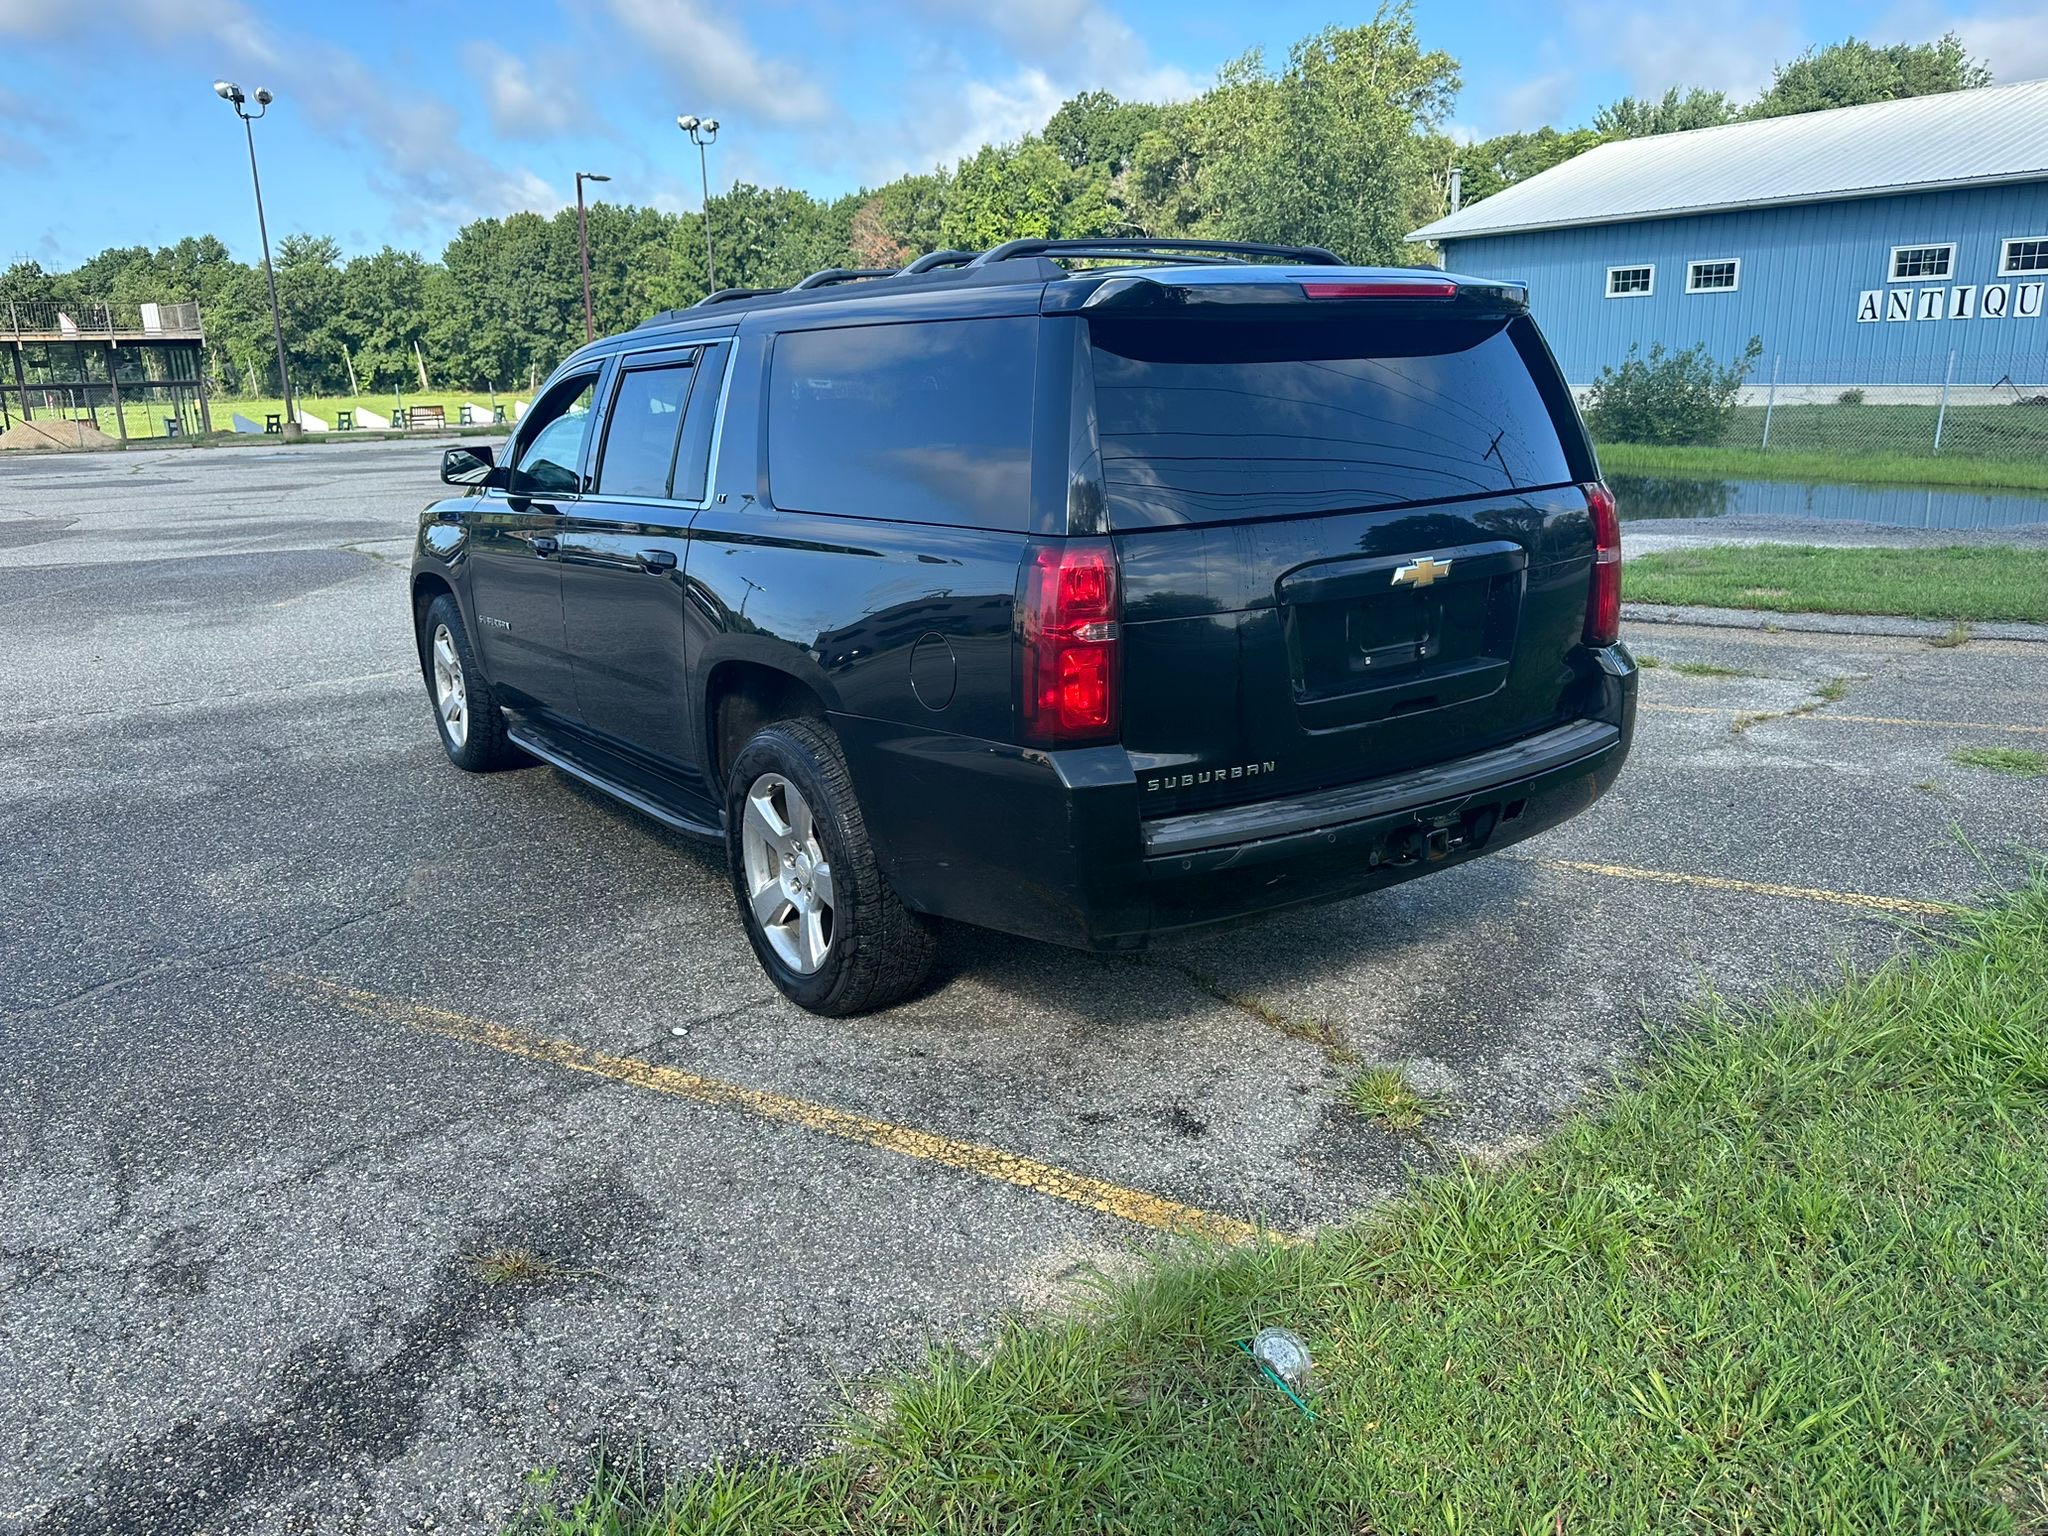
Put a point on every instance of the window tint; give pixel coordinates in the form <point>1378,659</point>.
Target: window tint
<point>693,454</point>
<point>927,422</point>
<point>551,440</point>
<point>1209,423</point>
<point>640,430</point>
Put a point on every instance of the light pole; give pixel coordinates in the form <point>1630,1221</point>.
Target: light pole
<point>583,248</point>
<point>231,93</point>
<point>703,132</point>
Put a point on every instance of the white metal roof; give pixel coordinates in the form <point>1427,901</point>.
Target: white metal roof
<point>1998,133</point>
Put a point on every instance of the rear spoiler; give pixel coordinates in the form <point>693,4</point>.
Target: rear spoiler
<point>1263,290</point>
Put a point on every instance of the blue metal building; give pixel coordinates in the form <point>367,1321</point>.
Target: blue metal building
<point>1870,247</point>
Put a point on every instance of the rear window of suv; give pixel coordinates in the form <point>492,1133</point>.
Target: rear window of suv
<point>924,422</point>
<point>1218,421</point>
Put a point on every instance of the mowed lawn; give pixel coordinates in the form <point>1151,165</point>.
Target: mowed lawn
<point>1791,1278</point>
<point>1957,582</point>
<point>1869,466</point>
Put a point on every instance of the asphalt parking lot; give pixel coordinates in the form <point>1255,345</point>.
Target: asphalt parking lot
<point>300,1023</point>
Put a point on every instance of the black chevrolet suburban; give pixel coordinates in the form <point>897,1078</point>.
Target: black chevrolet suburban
<point>1086,590</point>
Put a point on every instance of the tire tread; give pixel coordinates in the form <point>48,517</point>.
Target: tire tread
<point>890,948</point>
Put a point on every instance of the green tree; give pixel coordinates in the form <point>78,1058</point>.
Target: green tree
<point>1635,117</point>
<point>1500,162</point>
<point>1853,72</point>
<point>383,313</point>
<point>898,222</point>
<point>1333,149</point>
<point>1021,190</point>
<point>1096,130</point>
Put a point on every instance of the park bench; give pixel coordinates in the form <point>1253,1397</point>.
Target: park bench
<point>273,424</point>
<point>426,416</point>
<point>344,421</point>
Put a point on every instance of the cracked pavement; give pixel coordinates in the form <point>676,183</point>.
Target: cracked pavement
<point>237,1265</point>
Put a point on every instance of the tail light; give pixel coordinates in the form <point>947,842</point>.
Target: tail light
<point>1382,288</point>
<point>1603,596</point>
<point>1070,658</point>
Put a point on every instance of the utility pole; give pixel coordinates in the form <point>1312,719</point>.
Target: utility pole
<point>231,93</point>
<point>583,249</point>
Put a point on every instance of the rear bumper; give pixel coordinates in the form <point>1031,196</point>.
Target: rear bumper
<point>1053,846</point>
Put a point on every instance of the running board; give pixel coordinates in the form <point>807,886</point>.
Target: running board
<point>560,754</point>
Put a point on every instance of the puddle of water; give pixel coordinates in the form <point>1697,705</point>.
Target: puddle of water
<point>1657,496</point>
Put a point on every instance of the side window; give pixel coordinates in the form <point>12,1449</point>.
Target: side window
<point>551,440</point>
<point>693,454</point>
<point>641,428</point>
<point>926,422</point>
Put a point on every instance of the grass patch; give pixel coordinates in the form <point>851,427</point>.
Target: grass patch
<point>2017,761</point>
<point>1958,635</point>
<point>1957,582</point>
<point>1842,464</point>
<point>514,1266</point>
<point>1790,1279</point>
<point>1384,1096</point>
<point>1833,691</point>
<point>1707,669</point>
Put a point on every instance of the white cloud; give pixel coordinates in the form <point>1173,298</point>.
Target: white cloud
<point>1541,100</point>
<point>715,66</point>
<point>1050,53</point>
<point>2016,47</point>
<point>23,126</point>
<point>1725,48</point>
<point>523,106</point>
<point>1080,45</point>
<point>411,138</point>
<point>2013,42</point>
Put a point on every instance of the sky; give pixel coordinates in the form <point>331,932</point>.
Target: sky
<point>397,123</point>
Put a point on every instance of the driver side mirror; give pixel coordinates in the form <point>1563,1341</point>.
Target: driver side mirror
<point>475,466</point>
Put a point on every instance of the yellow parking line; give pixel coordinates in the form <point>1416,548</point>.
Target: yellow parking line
<point>1830,715</point>
<point>1132,1205</point>
<point>1752,887</point>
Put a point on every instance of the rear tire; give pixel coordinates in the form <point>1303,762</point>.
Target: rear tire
<point>466,712</point>
<point>823,922</point>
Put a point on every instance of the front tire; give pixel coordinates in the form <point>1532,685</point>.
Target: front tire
<point>823,922</point>
<point>466,712</point>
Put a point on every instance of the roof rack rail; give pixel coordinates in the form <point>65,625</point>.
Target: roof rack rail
<point>932,260</point>
<point>830,275</point>
<point>1229,250</point>
<point>727,295</point>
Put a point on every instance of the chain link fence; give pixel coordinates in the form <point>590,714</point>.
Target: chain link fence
<point>1960,404</point>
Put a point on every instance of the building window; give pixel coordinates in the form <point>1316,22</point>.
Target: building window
<point>2027,254</point>
<point>1713,276</point>
<point>1915,263</point>
<point>1630,282</point>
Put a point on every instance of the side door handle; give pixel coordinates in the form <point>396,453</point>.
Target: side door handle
<point>545,544</point>
<point>657,560</point>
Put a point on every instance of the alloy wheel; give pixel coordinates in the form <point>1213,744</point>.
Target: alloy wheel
<point>789,881</point>
<point>451,693</point>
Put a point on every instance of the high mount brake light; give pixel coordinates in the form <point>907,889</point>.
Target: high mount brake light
<point>1603,594</point>
<point>1070,655</point>
<point>1386,288</point>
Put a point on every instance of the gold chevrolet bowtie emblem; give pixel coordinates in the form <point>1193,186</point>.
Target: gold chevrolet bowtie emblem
<point>1420,573</point>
